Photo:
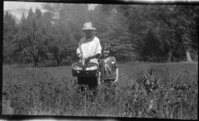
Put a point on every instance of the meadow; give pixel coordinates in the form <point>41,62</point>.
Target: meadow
<point>147,90</point>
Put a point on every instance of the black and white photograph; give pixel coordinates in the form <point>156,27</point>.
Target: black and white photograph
<point>100,60</point>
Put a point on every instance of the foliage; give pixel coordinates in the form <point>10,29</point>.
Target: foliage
<point>132,31</point>
<point>9,32</point>
<point>182,21</point>
<point>113,29</point>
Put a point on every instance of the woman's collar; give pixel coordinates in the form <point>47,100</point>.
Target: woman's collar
<point>89,39</point>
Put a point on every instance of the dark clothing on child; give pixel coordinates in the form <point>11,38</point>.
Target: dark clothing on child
<point>108,82</point>
<point>108,68</point>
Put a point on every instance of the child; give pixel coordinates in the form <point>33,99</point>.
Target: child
<point>108,66</point>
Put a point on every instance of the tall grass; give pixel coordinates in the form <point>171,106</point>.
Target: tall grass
<point>143,91</point>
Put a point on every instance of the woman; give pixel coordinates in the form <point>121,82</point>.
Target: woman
<point>89,50</point>
<point>89,46</point>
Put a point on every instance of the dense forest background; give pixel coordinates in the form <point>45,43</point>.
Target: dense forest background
<point>137,33</point>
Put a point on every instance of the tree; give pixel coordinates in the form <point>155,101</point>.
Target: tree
<point>67,23</point>
<point>58,44</point>
<point>151,50</point>
<point>112,27</point>
<point>181,20</point>
<point>9,32</point>
<point>174,25</point>
<point>32,36</point>
<point>139,22</point>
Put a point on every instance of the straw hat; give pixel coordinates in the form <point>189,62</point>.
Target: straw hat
<point>88,26</point>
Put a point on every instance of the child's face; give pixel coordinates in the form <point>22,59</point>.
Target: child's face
<point>106,53</point>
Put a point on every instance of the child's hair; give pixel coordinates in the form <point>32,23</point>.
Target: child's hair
<point>106,47</point>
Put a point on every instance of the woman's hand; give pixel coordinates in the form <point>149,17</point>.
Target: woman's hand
<point>83,61</point>
<point>79,55</point>
<point>87,60</point>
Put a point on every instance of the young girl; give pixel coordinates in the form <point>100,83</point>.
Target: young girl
<point>108,66</point>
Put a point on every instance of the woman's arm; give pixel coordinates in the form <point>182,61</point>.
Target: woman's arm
<point>97,52</point>
<point>97,55</point>
<point>79,54</point>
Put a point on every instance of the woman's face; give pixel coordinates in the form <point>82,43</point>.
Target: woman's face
<point>88,33</point>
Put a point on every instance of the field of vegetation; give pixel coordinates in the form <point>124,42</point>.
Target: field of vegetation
<point>149,90</point>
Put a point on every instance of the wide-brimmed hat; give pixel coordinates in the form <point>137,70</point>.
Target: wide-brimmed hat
<point>88,26</point>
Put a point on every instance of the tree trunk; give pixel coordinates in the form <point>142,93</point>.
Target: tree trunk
<point>187,51</point>
<point>35,61</point>
<point>169,59</point>
<point>57,61</point>
<point>188,56</point>
<point>60,60</point>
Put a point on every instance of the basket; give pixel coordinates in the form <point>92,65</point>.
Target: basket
<point>90,70</point>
